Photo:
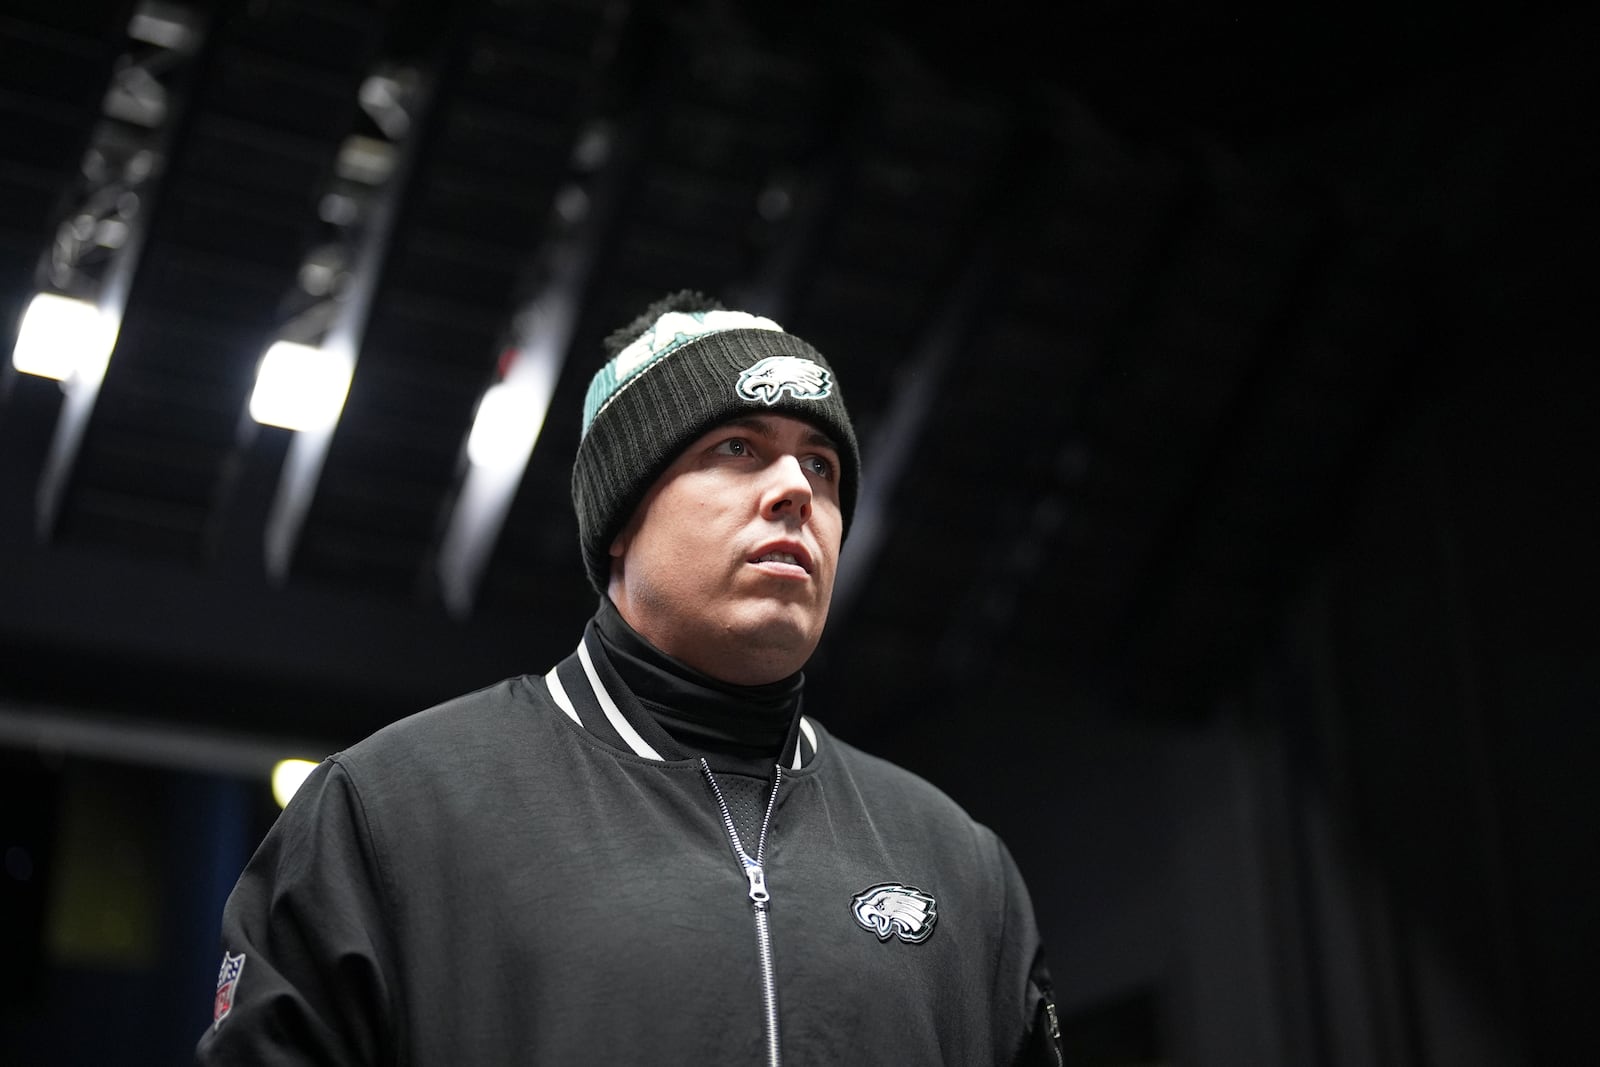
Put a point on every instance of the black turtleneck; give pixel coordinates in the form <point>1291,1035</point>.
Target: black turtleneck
<point>706,716</point>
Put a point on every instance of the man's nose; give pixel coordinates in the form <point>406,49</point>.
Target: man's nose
<point>788,493</point>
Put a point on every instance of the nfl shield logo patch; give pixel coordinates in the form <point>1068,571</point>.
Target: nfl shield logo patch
<point>227,985</point>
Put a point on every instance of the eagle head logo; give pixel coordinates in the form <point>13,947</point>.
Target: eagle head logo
<point>766,380</point>
<point>890,909</point>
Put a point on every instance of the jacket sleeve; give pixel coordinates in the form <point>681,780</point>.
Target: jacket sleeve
<point>306,961</point>
<point>1041,1047</point>
<point>1023,962</point>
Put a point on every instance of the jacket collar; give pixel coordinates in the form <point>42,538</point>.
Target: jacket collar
<point>588,690</point>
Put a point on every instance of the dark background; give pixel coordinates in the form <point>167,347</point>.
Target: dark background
<point>1226,529</point>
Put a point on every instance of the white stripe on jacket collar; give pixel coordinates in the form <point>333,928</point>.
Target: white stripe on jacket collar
<point>625,730</point>
<point>811,739</point>
<point>552,682</point>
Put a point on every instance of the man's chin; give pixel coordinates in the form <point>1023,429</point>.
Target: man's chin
<point>783,618</point>
<point>780,636</point>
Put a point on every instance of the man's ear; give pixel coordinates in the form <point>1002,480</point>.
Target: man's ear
<point>615,580</point>
<point>619,547</point>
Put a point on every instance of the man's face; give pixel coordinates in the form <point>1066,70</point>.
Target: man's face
<point>728,563</point>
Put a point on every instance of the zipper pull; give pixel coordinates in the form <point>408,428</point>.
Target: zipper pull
<point>758,881</point>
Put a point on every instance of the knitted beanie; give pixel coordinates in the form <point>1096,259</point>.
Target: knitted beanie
<point>684,367</point>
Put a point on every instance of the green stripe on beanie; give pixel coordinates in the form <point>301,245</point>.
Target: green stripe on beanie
<point>685,367</point>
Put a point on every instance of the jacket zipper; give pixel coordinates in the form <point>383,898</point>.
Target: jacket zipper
<point>757,876</point>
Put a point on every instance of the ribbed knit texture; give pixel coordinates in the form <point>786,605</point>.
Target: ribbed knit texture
<point>662,409</point>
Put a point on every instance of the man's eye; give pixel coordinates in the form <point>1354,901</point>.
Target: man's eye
<point>734,446</point>
<point>821,466</point>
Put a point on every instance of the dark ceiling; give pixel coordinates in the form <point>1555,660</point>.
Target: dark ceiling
<point>1124,299</point>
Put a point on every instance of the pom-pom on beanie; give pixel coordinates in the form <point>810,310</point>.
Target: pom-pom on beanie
<point>679,370</point>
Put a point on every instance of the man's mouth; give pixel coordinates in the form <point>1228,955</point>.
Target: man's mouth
<point>792,556</point>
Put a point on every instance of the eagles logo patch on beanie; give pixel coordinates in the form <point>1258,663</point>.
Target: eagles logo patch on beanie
<point>684,367</point>
<point>770,378</point>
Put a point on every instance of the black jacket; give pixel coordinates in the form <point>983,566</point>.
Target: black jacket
<point>506,879</point>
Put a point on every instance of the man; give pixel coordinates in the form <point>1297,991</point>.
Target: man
<point>648,854</point>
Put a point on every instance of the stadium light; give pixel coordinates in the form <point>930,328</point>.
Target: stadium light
<point>64,338</point>
<point>299,387</point>
<point>505,429</point>
<point>287,777</point>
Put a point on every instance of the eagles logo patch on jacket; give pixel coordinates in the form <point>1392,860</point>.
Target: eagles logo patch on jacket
<point>890,909</point>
